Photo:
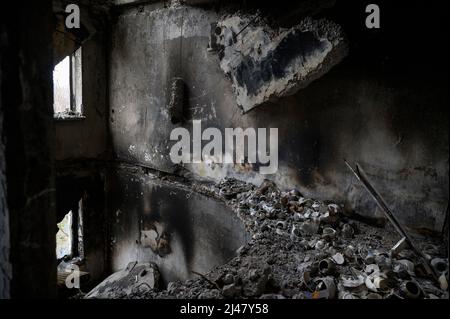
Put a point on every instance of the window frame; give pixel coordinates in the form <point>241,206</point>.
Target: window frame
<point>76,107</point>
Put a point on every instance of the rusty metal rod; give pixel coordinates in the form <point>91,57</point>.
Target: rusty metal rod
<point>362,177</point>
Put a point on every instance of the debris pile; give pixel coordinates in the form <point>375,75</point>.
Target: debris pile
<point>307,249</point>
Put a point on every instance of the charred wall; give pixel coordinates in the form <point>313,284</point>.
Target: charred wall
<point>170,224</point>
<point>372,107</point>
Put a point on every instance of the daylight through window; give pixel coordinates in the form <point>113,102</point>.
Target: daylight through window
<point>67,87</point>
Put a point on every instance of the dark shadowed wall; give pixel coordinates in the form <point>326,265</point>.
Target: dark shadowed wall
<point>27,152</point>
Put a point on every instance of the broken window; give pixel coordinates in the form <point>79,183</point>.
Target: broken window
<point>67,87</point>
<point>64,237</point>
<point>69,238</point>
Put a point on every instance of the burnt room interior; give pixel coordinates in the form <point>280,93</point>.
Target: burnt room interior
<point>93,206</point>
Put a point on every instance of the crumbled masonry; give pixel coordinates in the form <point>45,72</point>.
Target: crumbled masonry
<point>306,249</point>
<point>265,63</point>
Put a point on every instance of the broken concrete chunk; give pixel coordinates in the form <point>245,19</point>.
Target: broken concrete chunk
<point>350,282</point>
<point>369,284</point>
<point>338,258</point>
<point>265,63</point>
<point>443,282</point>
<point>136,278</point>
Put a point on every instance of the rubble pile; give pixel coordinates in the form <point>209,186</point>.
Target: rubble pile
<point>307,249</point>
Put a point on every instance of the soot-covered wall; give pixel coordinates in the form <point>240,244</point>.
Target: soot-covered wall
<point>384,105</point>
<point>179,229</point>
